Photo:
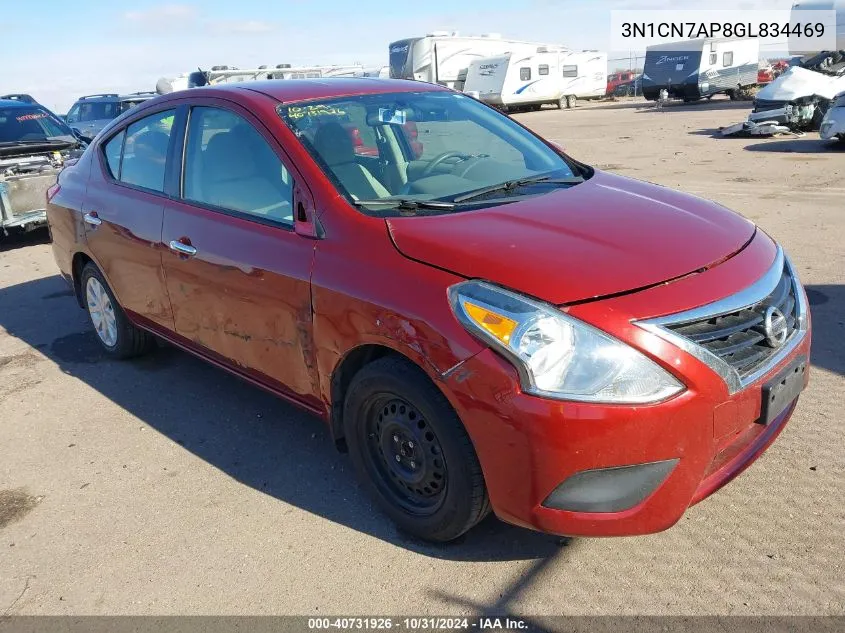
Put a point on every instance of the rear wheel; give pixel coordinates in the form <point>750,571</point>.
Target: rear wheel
<point>119,338</point>
<point>571,101</point>
<point>562,103</point>
<point>412,452</point>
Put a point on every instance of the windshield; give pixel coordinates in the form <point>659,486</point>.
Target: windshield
<point>425,147</point>
<point>30,124</point>
<point>84,111</point>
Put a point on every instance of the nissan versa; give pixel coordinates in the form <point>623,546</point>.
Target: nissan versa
<point>483,322</point>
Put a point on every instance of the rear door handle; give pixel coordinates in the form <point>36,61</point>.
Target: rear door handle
<point>92,219</point>
<point>183,249</point>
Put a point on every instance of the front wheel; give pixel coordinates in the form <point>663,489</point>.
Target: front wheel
<point>411,451</point>
<point>119,338</point>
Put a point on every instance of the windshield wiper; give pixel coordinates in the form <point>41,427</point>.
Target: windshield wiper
<point>510,185</point>
<point>406,204</point>
<point>32,141</point>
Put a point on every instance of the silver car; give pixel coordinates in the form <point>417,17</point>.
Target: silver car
<point>833,124</point>
<point>92,113</point>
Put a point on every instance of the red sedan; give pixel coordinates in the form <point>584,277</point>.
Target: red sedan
<point>482,321</point>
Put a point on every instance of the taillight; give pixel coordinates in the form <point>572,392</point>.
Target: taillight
<point>52,191</point>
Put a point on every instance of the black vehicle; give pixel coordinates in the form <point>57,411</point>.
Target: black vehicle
<point>34,145</point>
<point>699,69</point>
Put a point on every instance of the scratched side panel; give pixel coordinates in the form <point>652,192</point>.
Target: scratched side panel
<point>245,296</point>
<point>366,292</point>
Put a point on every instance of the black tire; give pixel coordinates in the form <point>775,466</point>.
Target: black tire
<point>732,94</point>
<point>562,103</point>
<point>130,341</point>
<point>411,451</point>
<point>571,102</point>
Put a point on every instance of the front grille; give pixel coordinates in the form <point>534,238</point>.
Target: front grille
<point>739,338</point>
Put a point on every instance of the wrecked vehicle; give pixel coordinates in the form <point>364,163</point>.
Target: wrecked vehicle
<point>801,96</point>
<point>34,145</point>
<point>833,124</point>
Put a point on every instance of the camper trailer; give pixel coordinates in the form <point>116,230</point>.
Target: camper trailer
<point>231,74</point>
<point>443,58</point>
<point>525,80</point>
<point>698,69</point>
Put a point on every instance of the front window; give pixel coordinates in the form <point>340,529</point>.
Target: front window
<point>31,124</point>
<point>230,166</point>
<point>431,150</point>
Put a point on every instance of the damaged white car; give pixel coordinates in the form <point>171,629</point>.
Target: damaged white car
<point>34,145</point>
<point>833,124</point>
<point>801,96</point>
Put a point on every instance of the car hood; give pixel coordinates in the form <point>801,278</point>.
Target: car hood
<point>798,82</point>
<point>91,128</point>
<point>606,236</point>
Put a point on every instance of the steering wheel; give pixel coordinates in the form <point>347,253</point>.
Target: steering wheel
<point>438,160</point>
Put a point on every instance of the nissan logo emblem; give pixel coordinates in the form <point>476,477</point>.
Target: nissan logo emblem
<point>775,327</point>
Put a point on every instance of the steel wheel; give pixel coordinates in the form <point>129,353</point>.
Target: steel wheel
<point>405,455</point>
<point>102,312</point>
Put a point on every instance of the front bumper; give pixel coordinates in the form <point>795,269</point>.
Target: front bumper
<point>530,447</point>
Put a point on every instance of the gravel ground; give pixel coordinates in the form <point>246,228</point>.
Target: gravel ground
<point>165,486</point>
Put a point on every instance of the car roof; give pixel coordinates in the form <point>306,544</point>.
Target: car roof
<point>293,90</point>
<point>12,103</point>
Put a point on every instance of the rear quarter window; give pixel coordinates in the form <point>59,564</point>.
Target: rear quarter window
<point>113,151</point>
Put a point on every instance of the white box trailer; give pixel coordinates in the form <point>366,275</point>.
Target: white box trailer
<point>818,5</point>
<point>698,69</point>
<point>443,58</point>
<point>527,79</point>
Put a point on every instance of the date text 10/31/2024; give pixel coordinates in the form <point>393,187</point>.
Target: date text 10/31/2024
<point>418,624</point>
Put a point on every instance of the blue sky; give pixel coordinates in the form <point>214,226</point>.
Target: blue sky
<point>61,50</point>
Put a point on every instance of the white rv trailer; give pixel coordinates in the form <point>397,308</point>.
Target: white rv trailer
<point>226,74</point>
<point>697,69</point>
<point>443,58</point>
<point>528,79</point>
<point>820,5</point>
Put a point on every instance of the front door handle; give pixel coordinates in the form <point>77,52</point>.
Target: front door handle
<point>183,249</point>
<point>92,219</point>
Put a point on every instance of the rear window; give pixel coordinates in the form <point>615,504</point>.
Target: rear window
<point>84,111</point>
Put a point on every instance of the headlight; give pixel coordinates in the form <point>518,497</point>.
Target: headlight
<point>556,355</point>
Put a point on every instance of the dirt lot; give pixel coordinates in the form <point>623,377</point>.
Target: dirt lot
<point>166,486</point>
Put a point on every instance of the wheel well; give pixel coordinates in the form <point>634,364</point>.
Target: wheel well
<point>79,262</point>
<point>351,364</point>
